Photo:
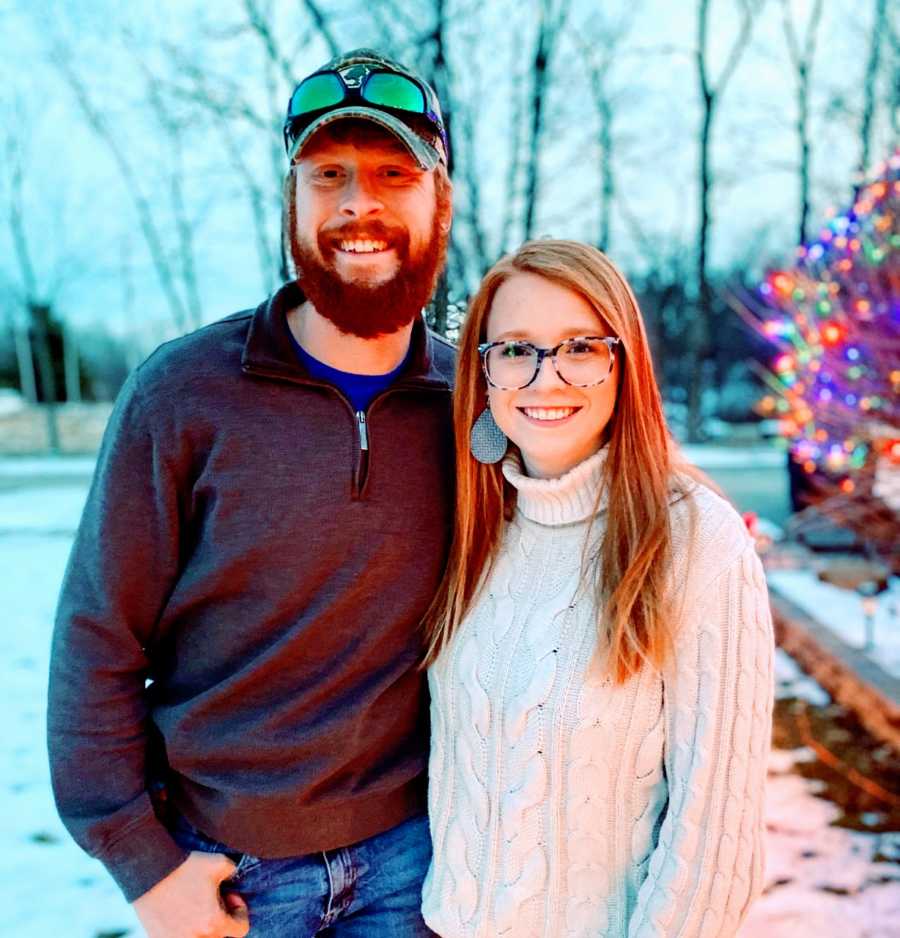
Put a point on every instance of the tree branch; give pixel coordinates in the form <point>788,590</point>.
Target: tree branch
<point>261,26</point>
<point>97,123</point>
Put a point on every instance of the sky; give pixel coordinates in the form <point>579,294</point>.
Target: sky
<point>91,257</point>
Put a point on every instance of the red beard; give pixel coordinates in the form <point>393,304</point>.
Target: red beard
<point>365,310</point>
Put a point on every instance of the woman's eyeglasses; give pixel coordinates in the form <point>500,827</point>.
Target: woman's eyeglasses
<point>582,362</point>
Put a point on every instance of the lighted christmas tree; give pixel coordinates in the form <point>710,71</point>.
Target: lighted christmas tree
<point>834,317</point>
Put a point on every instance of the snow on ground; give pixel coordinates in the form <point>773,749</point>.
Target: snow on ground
<point>26,466</point>
<point>791,681</point>
<point>52,887</point>
<point>45,510</point>
<point>821,880</point>
<point>713,456</point>
<point>842,612</point>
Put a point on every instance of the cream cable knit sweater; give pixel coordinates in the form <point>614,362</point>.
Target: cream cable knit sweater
<point>564,807</point>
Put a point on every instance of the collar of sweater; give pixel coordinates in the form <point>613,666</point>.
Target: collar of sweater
<point>566,500</point>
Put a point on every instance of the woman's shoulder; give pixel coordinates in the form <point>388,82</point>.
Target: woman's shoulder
<point>708,533</point>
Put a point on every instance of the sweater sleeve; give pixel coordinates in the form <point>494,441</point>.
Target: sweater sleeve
<point>708,864</point>
<point>122,567</point>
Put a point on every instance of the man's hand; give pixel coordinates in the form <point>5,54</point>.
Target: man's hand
<point>187,903</point>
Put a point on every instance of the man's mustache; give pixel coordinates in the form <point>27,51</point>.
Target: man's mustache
<point>363,231</point>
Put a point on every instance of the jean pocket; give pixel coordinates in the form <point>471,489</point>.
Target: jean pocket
<point>244,863</point>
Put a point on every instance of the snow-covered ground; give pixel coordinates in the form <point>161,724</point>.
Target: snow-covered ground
<point>841,611</point>
<point>822,880</point>
<point>52,888</point>
<point>714,456</point>
<point>21,467</point>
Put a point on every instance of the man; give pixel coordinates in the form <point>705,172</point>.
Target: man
<point>237,725</point>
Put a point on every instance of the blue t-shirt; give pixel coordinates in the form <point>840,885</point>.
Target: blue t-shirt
<point>359,389</point>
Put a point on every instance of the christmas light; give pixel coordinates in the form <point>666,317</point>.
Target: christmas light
<point>784,363</point>
<point>835,319</point>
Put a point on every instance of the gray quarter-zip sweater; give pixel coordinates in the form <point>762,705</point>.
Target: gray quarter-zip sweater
<point>243,598</point>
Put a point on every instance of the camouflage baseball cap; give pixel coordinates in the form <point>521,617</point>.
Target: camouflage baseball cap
<point>367,85</point>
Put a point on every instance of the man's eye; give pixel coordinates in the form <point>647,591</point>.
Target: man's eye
<point>396,173</point>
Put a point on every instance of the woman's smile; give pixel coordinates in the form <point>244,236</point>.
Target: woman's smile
<point>549,416</point>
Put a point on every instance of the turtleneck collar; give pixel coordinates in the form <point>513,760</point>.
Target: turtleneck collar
<point>568,499</point>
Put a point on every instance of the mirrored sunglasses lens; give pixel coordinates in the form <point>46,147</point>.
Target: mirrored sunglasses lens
<point>315,93</point>
<point>394,91</point>
<point>511,365</point>
<point>583,361</point>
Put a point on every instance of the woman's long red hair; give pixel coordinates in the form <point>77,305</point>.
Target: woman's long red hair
<point>632,564</point>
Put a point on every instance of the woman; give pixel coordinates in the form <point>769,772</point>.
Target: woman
<point>601,649</point>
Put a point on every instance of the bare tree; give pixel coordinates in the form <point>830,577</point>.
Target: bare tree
<point>167,275</point>
<point>600,49</point>
<point>260,23</point>
<point>801,56</point>
<point>471,174</point>
<point>894,70</point>
<point>461,96</point>
<point>877,36</point>
<point>551,19</point>
<point>440,77</point>
<point>223,103</point>
<point>711,93</point>
<point>38,309</point>
<point>322,26</point>
<point>516,135</point>
<point>184,226</point>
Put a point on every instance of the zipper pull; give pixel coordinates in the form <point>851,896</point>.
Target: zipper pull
<point>363,431</point>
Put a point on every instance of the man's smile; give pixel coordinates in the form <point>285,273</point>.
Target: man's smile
<point>363,247</point>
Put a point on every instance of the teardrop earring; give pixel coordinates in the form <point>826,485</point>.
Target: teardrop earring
<point>487,441</point>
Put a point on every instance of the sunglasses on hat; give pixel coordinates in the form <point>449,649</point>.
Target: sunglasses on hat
<point>360,83</point>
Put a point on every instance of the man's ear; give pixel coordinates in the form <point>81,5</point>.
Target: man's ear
<point>447,220</point>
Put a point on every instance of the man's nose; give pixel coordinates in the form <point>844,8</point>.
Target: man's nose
<point>360,199</point>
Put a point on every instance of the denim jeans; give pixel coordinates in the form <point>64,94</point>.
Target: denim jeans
<point>371,888</point>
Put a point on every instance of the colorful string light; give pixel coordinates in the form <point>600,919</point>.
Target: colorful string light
<point>834,318</point>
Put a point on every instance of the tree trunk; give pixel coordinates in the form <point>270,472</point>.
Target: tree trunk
<point>40,319</point>
<point>72,370</point>
<point>25,361</point>
<point>865,133</point>
<point>439,305</point>
<point>702,321</point>
<point>606,172</point>
<point>538,85</point>
<point>710,94</point>
<point>805,151</point>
